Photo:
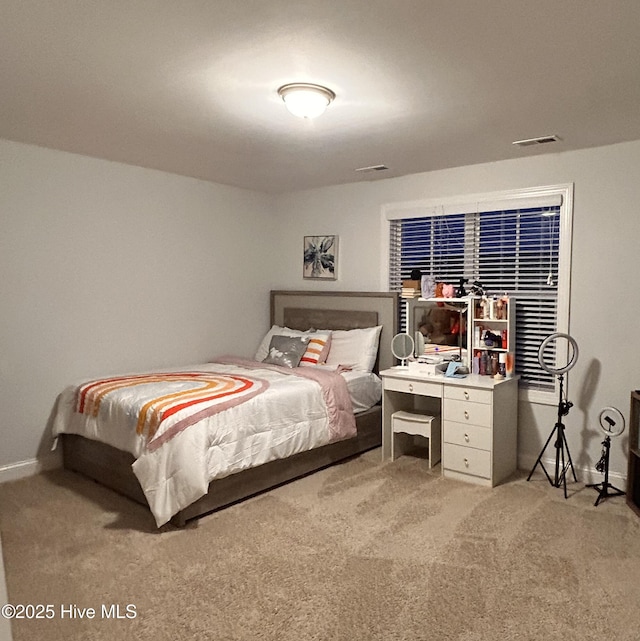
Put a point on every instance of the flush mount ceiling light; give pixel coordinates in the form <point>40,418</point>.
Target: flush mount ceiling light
<point>306,100</point>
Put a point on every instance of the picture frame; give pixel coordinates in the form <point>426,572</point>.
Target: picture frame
<point>320,257</point>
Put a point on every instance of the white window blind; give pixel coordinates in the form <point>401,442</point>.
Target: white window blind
<point>508,250</point>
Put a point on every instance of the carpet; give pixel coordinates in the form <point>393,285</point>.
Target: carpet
<point>358,551</point>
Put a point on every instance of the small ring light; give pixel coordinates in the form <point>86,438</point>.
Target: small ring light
<point>611,421</point>
<point>573,357</point>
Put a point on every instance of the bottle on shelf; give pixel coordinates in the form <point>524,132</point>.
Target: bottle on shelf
<point>502,364</point>
<point>483,363</point>
<point>493,370</point>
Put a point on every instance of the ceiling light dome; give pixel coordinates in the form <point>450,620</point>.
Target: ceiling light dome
<point>306,100</point>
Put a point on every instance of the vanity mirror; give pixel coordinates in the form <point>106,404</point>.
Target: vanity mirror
<point>402,348</point>
<point>443,327</point>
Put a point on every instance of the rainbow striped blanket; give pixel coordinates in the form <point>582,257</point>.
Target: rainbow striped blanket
<point>152,399</point>
<point>190,426</point>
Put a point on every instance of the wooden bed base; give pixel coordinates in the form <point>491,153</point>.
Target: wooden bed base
<point>112,468</point>
<point>299,310</point>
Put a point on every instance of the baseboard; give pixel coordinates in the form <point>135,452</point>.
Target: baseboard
<point>23,469</point>
<point>585,475</point>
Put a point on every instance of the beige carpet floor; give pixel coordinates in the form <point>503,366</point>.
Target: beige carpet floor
<point>358,551</point>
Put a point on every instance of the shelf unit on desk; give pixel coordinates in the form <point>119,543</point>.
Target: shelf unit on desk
<point>502,323</point>
<point>479,417</point>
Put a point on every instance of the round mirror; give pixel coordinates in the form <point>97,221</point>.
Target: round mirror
<point>402,348</point>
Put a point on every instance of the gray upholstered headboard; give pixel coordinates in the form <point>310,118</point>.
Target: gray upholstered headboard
<point>339,310</point>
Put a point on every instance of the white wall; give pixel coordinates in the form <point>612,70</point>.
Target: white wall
<point>110,268</point>
<point>605,300</point>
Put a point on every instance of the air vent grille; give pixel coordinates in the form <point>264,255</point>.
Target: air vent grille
<point>372,168</point>
<point>542,140</point>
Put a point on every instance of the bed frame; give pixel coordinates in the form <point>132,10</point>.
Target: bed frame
<point>298,310</point>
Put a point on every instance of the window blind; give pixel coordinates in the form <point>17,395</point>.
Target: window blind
<point>509,251</point>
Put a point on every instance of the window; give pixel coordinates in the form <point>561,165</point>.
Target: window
<point>516,243</point>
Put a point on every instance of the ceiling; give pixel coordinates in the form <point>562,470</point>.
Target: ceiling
<point>190,87</point>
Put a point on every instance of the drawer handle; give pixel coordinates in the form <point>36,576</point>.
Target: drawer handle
<point>411,387</point>
<point>466,395</point>
<point>466,414</point>
<point>466,462</point>
<point>466,438</point>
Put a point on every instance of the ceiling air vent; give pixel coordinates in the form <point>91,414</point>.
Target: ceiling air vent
<point>367,170</point>
<point>542,140</point>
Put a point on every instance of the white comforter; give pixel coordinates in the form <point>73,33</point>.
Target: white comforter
<point>290,415</point>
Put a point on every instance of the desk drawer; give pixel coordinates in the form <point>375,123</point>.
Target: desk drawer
<point>468,413</point>
<point>468,435</point>
<point>467,460</point>
<point>468,394</point>
<point>422,388</point>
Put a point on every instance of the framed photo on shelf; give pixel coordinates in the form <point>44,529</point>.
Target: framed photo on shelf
<point>320,259</point>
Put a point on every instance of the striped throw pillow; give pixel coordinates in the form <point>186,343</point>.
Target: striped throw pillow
<point>317,349</point>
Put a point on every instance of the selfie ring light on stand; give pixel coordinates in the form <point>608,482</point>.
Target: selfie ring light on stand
<point>543,354</point>
<point>607,422</point>
<point>563,457</point>
<point>612,423</point>
<point>402,347</point>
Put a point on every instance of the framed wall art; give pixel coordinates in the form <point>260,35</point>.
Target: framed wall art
<point>320,260</point>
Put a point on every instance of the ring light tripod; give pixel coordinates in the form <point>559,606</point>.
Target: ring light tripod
<point>563,457</point>
<point>611,428</point>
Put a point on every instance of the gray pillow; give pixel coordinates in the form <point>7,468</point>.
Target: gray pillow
<point>286,350</point>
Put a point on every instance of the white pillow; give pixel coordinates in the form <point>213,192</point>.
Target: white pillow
<point>316,350</point>
<point>355,348</point>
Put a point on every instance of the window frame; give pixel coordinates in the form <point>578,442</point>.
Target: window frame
<point>497,200</point>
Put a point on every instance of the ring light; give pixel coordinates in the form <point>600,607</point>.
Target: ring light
<point>573,356</point>
<point>563,461</point>
<point>611,421</point>
<point>612,424</point>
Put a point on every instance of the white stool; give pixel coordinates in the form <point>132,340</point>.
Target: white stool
<point>418,425</point>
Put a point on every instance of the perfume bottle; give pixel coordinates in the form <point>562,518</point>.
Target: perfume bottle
<point>502,365</point>
<point>495,364</point>
<point>483,364</point>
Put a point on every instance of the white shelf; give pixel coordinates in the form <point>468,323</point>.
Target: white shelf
<point>505,326</point>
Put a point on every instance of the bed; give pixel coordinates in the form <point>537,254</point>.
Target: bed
<point>113,466</point>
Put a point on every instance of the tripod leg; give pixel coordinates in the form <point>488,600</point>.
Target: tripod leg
<point>559,451</point>
<point>539,459</point>
<point>575,478</point>
<point>564,466</point>
<point>601,494</point>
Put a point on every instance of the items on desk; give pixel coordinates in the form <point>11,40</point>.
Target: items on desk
<point>489,363</point>
<point>502,365</point>
<point>492,339</point>
<point>492,307</point>
<point>411,288</point>
<point>456,370</point>
<point>428,286</point>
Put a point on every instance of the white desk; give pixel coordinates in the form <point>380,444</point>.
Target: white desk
<point>479,417</point>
